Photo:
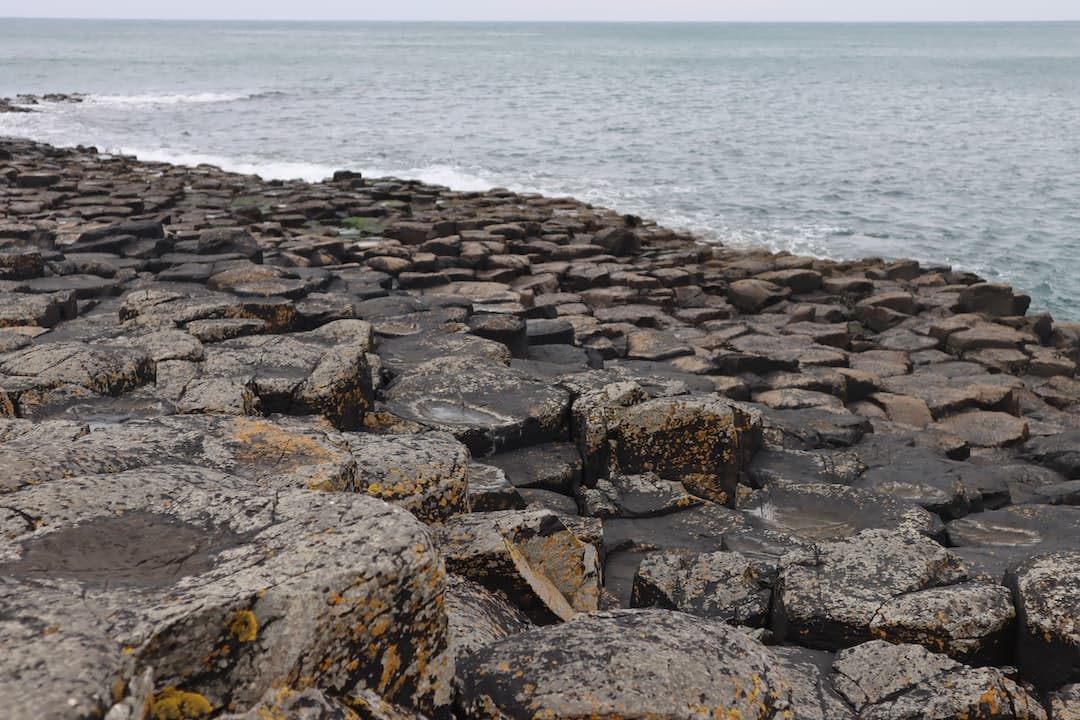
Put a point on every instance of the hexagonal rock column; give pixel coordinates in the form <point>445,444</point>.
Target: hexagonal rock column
<point>883,681</point>
<point>720,585</point>
<point>703,442</point>
<point>427,473</point>
<point>1047,593</point>
<point>483,404</point>
<point>529,557</point>
<point>284,454</point>
<point>177,592</point>
<point>324,371</point>
<point>630,663</point>
<point>828,596</point>
<point>44,378</point>
<point>971,622</point>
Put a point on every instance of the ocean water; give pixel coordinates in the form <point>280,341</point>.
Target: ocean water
<point>950,143</point>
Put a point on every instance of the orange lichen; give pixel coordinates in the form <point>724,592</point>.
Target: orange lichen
<point>174,704</point>
<point>243,625</point>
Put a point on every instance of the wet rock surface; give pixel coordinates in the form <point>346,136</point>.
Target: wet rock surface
<point>246,427</point>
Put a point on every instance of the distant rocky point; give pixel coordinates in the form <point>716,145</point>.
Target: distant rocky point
<point>25,103</point>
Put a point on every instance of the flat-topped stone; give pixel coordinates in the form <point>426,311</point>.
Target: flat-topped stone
<point>668,665</point>
<point>145,574</point>
<point>485,405</point>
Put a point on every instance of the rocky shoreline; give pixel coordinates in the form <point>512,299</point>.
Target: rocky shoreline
<point>380,449</point>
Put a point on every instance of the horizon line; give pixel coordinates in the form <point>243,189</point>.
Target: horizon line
<point>560,22</point>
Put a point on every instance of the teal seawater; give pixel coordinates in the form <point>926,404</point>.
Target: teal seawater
<point>950,143</point>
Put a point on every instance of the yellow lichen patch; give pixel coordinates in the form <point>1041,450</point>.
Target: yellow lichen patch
<point>263,442</point>
<point>992,700</point>
<point>243,625</point>
<point>173,704</point>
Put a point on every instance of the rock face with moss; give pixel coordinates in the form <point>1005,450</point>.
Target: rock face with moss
<point>248,429</point>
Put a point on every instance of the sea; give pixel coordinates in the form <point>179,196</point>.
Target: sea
<point>949,143</point>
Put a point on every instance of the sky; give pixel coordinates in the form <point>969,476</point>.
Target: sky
<point>586,10</point>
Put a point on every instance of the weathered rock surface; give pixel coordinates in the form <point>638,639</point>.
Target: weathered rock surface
<point>702,442</point>
<point>884,681</point>
<point>176,587</point>
<point>663,664</point>
<point>426,473</point>
<point>529,557</point>
<point>478,617</point>
<point>828,596</point>
<point>1047,592</point>
<point>722,585</point>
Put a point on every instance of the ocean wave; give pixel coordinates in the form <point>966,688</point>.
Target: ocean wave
<point>449,176</point>
<point>145,99</point>
<point>265,168</point>
<point>452,177</point>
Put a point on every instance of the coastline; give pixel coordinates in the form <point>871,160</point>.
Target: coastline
<point>574,412</point>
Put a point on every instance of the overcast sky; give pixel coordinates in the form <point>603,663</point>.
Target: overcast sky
<point>692,10</point>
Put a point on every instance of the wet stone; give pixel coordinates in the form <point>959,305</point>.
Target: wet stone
<point>636,496</point>
<point>813,428</point>
<point>403,353</point>
<point>550,466</point>
<point>549,332</point>
<point>828,512</point>
<point>797,466</point>
<point>83,286</point>
<point>484,405</point>
<point>1060,452</point>
<point>945,487</point>
<point>997,541</point>
<point>506,329</point>
<point>699,528</point>
<point>490,489</point>
<point>562,505</point>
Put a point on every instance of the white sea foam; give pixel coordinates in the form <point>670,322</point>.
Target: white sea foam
<point>452,177</point>
<point>147,99</point>
<point>265,168</point>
